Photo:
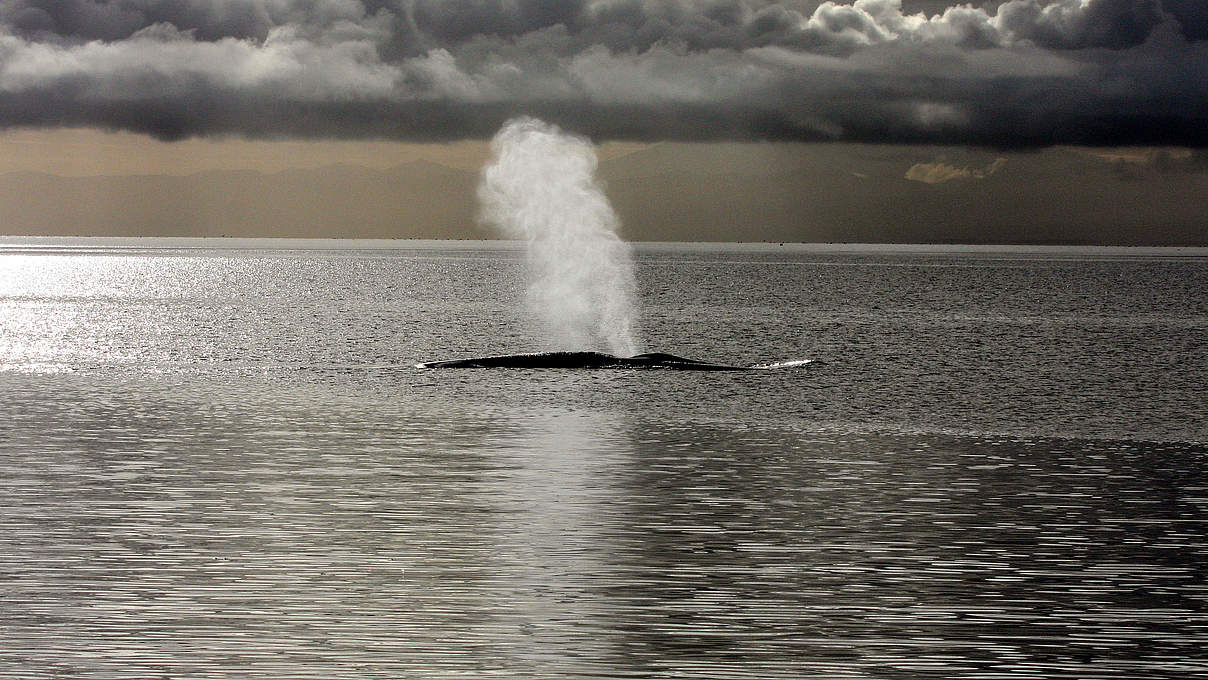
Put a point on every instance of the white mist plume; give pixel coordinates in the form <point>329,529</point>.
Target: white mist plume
<point>541,187</point>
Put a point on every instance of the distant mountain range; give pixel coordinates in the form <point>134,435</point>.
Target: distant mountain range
<point>418,199</point>
<point>719,192</point>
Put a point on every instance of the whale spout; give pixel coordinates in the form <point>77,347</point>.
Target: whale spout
<point>652,360</point>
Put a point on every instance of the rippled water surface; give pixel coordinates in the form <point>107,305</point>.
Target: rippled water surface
<point>219,462</point>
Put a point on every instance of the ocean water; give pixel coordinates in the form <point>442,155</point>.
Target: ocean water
<point>218,461</point>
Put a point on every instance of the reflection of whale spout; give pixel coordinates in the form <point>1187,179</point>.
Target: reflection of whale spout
<point>584,360</point>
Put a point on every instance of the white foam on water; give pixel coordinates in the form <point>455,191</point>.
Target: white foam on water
<point>785,364</point>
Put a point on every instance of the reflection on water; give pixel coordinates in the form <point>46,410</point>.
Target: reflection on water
<point>221,465</point>
<point>164,529</point>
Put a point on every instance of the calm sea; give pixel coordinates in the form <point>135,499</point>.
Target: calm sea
<point>217,461</point>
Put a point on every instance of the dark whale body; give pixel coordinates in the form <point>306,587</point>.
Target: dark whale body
<point>583,360</point>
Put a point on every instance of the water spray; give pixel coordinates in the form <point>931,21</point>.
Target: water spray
<point>541,187</point>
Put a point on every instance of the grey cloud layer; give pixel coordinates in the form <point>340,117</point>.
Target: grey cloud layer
<point>1023,73</point>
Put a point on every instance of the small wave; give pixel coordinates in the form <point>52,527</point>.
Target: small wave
<point>785,364</point>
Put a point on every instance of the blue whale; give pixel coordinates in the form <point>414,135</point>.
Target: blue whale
<point>585,360</point>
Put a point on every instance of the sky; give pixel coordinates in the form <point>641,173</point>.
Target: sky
<point>901,93</point>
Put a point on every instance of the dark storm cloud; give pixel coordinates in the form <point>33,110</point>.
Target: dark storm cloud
<point>1019,73</point>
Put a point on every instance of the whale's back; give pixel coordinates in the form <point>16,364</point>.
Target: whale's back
<point>581,360</point>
